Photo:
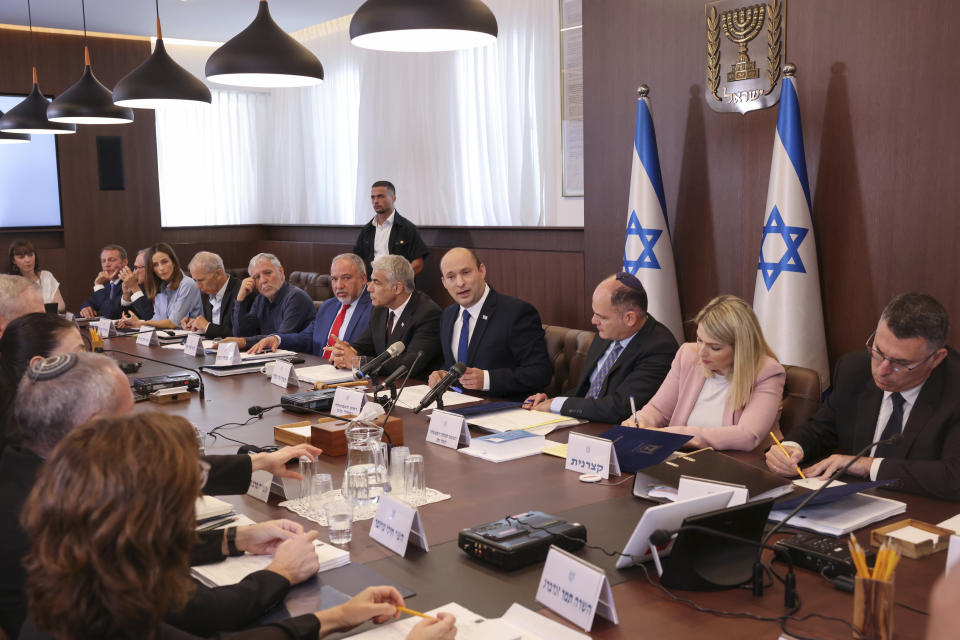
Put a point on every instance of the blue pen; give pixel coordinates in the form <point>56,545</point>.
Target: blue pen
<point>457,389</point>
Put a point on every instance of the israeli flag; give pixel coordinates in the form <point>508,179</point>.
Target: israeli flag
<point>647,250</point>
<point>787,294</point>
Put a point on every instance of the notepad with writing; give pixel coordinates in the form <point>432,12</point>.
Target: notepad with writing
<point>710,465</point>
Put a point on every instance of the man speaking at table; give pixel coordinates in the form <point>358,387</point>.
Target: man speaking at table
<point>498,337</point>
<point>630,356</point>
<point>345,316</point>
<point>400,313</point>
<point>907,383</point>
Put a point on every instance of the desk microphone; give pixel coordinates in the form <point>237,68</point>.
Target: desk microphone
<point>894,439</point>
<point>390,379</point>
<point>438,389</point>
<point>174,366</point>
<point>371,368</point>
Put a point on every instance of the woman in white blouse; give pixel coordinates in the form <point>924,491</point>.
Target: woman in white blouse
<point>726,389</point>
<point>24,262</point>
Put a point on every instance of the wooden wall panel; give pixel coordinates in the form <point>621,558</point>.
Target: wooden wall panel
<point>880,130</point>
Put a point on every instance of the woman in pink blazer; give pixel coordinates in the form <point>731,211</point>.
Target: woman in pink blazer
<point>726,389</point>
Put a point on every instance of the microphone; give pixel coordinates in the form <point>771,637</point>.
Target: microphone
<point>257,410</point>
<point>174,366</point>
<point>894,439</point>
<point>436,392</point>
<point>390,379</point>
<point>374,365</point>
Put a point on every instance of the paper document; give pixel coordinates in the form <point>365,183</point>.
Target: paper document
<point>815,483</point>
<point>233,570</point>
<point>539,422</point>
<point>410,397</point>
<point>559,450</point>
<point>503,447</point>
<point>914,535</point>
<point>325,373</point>
<point>843,516</point>
<point>951,523</point>
<point>208,507</point>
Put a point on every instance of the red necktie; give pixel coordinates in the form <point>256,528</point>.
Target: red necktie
<point>337,323</point>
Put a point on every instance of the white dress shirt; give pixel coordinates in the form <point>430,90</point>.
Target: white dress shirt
<point>474,311</point>
<point>216,303</point>
<point>381,238</point>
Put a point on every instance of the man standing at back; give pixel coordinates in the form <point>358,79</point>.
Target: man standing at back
<point>389,232</point>
<point>630,356</point>
<point>904,386</point>
<point>345,316</point>
<point>279,308</point>
<point>107,289</point>
<point>499,337</point>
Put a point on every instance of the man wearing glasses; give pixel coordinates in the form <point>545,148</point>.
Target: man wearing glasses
<point>905,383</point>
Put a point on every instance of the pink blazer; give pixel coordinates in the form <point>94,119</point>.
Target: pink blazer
<point>745,429</point>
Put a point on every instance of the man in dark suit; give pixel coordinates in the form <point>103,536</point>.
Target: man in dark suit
<point>345,316</point>
<point>498,337</point>
<point>97,387</point>
<point>399,313</point>
<point>133,296</point>
<point>389,233</point>
<point>107,289</point>
<point>907,384</point>
<point>267,303</point>
<point>630,357</point>
<point>219,295</point>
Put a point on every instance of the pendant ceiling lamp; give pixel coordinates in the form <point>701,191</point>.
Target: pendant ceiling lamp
<point>159,82</point>
<point>423,25</point>
<point>30,115</point>
<point>12,138</point>
<point>87,101</point>
<point>264,55</point>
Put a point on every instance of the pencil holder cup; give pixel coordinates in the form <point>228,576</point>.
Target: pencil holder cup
<point>873,609</point>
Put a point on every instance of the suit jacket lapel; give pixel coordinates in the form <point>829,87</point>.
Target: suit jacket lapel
<point>922,411</point>
<point>447,319</point>
<point>399,324</point>
<point>868,410</point>
<point>597,348</point>
<point>488,309</point>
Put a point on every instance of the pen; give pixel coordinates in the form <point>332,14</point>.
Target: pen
<point>786,454</point>
<point>415,613</point>
<point>633,408</point>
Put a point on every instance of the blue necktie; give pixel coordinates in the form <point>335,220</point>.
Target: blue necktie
<point>464,338</point>
<point>597,385</point>
<point>894,426</point>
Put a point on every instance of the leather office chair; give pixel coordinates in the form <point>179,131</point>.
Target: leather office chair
<point>801,397</point>
<point>567,349</point>
<point>317,285</point>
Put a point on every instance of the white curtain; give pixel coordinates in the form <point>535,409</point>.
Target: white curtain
<point>469,138</point>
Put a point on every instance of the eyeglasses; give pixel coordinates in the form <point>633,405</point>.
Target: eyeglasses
<point>896,364</point>
<point>204,473</point>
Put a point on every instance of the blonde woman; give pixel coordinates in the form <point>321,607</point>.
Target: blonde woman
<point>726,389</point>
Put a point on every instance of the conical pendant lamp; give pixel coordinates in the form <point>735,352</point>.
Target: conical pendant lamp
<point>159,82</point>
<point>264,55</point>
<point>423,25</point>
<point>12,138</point>
<point>30,115</point>
<point>87,101</point>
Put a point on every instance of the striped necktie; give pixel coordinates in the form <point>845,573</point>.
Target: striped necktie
<point>601,378</point>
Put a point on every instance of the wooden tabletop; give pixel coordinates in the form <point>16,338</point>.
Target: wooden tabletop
<point>483,491</point>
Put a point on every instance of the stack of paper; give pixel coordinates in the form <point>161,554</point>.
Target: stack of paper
<point>233,570</point>
<point>539,422</point>
<point>213,512</point>
<point>411,396</point>
<point>842,516</point>
<point>325,373</point>
<point>501,447</point>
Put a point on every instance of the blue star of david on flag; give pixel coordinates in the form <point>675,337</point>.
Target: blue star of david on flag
<point>648,237</point>
<point>792,238</point>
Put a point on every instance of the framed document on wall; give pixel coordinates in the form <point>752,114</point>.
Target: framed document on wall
<point>571,94</point>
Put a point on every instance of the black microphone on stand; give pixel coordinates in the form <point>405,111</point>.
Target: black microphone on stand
<point>371,368</point>
<point>894,439</point>
<point>436,393</point>
<point>390,379</point>
<point>169,364</point>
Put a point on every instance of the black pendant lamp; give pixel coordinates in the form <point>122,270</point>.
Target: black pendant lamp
<point>423,25</point>
<point>264,55</point>
<point>12,138</point>
<point>30,115</point>
<point>160,82</point>
<point>87,101</point>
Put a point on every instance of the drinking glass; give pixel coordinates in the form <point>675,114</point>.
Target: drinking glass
<point>307,464</point>
<point>340,520</point>
<point>357,362</point>
<point>414,482</point>
<point>397,457</point>
<point>320,488</point>
<point>358,486</point>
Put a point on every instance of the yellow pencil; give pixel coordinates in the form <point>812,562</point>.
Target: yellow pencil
<point>859,560</point>
<point>786,454</point>
<point>415,613</point>
<point>894,559</point>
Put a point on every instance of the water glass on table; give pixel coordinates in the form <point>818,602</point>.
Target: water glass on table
<point>307,465</point>
<point>414,480</point>
<point>340,520</point>
<point>357,486</point>
<point>357,362</point>
<point>321,487</point>
<point>397,457</point>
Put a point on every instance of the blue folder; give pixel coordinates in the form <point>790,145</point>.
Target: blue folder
<point>641,448</point>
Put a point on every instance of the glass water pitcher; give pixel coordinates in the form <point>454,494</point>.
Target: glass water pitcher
<point>364,452</point>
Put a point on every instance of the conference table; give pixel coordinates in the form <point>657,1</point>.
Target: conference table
<point>483,491</point>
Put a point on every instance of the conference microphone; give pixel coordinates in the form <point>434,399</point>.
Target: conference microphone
<point>174,366</point>
<point>438,389</point>
<point>257,410</point>
<point>390,379</point>
<point>894,439</point>
<point>375,365</point>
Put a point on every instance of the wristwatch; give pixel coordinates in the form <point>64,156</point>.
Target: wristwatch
<point>232,549</point>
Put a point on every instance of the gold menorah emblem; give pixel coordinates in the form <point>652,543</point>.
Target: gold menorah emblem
<point>741,26</point>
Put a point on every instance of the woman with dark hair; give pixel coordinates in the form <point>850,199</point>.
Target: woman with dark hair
<point>25,262</point>
<point>175,295</point>
<point>31,337</point>
<point>112,534</point>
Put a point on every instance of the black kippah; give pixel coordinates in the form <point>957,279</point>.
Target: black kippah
<point>629,280</point>
<point>52,367</point>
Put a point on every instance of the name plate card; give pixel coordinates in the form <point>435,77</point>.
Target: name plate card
<point>284,374</point>
<point>348,401</point>
<point>228,353</point>
<point>193,345</point>
<point>260,483</point>
<point>587,454</point>
<point>395,524</point>
<point>106,328</point>
<point>448,429</point>
<point>147,337</point>
<point>575,589</point>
